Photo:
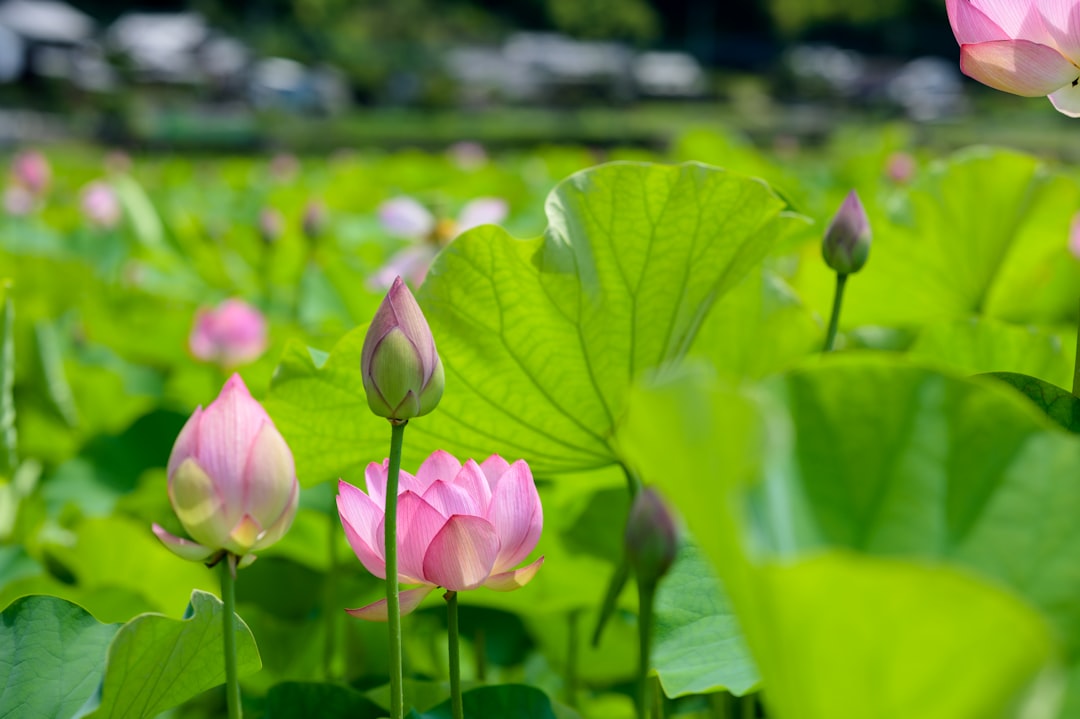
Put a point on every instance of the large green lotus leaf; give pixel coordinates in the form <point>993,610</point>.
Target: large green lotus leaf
<point>294,700</point>
<point>883,458</point>
<point>986,227</point>
<point>156,663</point>
<point>978,345</point>
<point>542,338</point>
<point>52,658</point>
<point>1059,404</point>
<point>698,646</point>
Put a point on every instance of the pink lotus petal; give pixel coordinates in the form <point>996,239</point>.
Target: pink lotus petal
<point>1019,20</point>
<point>234,420</point>
<point>185,443</point>
<point>269,467</point>
<point>409,600</point>
<point>516,515</point>
<point>1018,66</point>
<point>493,468</point>
<point>450,499</point>
<point>971,25</point>
<point>100,204</point>
<point>183,548</point>
<point>375,478</point>
<point>361,516</point>
<point>472,479</point>
<point>439,465</point>
<point>1061,19</point>
<point>1067,100</point>
<point>284,521</point>
<point>405,217</point>
<point>482,211</point>
<point>515,579</point>
<point>418,523</point>
<point>462,554</point>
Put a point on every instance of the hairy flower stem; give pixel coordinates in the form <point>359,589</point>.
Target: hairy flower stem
<point>646,594</point>
<point>455,654</point>
<point>834,320</point>
<point>228,597</point>
<point>1076,366</point>
<point>393,602</point>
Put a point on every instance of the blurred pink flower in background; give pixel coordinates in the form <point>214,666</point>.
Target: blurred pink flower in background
<point>100,205</point>
<point>232,334</point>
<point>284,167</point>
<point>18,201</point>
<point>31,171</point>
<point>459,526</point>
<point>1074,236</point>
<point>406,218</point>
<point>313,222</point>
<point>1024,47</point>
<point>468,155</point>
<point>232,480</point>
<point>900,167</point>
<point>271,225</point>
<point>117,162</point>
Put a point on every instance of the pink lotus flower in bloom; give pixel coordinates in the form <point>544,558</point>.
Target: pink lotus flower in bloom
<point>100,204</point>
<point>459,527</point>
<point>31,171</point>
<point>232,334</point>
<point>232,481</point>
<point>1025,47</point>
<point>406,218</point>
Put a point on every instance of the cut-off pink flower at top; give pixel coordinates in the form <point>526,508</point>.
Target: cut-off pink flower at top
<point>460,526</point>
<point>1024,47</point>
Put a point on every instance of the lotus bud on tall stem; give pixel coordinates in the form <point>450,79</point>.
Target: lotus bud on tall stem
<point>845,249</point>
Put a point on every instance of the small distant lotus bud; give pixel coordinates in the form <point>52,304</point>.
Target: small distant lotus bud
<point>271,225</point>
<point>31,170</point>
<point>232,481</point>
<point>847,239</point>
<point>284,167</point>
<point>314,220</point>
<point>402,372</point>
<point>232,334</point>
<point>100,205</point>
<point>900,168</point>
<point>651,537</point>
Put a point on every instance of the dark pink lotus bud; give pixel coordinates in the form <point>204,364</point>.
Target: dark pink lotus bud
<point>232,481</point>
<point>651,537</point>
<point>847,239</point>
<point>403,375</point>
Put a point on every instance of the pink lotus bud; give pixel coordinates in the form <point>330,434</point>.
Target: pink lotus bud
<point>313,222</point>
<point>232,334</point>
<point>459,526</point>
<point>270,225</point>
<point>1025,47</point>
<point>651,538</point>
<point>847,239</point>
<point>232,481</point>
<point>403,375</point>
<point>900,168</point>
<point>100,204</point>
<point>31,170</point>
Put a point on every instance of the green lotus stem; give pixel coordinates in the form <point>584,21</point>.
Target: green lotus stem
<point>393,602</point>
<point>1076,365</point>
<point>646,593</point>
<point>455,654</point>
<point>834,320</point>
<point>749,706</point>
<point>228,597</point>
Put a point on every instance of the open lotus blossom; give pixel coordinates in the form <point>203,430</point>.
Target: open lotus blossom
<point>232,334</point>
<point>1025,47</point>
<point>232,481</point>
<point>100,205</point>
<point>405,217</point>
<point>460,526</point>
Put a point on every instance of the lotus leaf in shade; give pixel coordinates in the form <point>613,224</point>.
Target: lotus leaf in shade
<point>232,481</point>
<point>232,334</point>
<point>460,526</point>
<point>847,239</point>
<point>1024,47</point>
<point>402,372</point>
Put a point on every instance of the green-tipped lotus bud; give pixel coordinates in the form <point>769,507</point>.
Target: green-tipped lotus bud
<point>847,240</point>
<point>651,537</point>
<point>403,375</point>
